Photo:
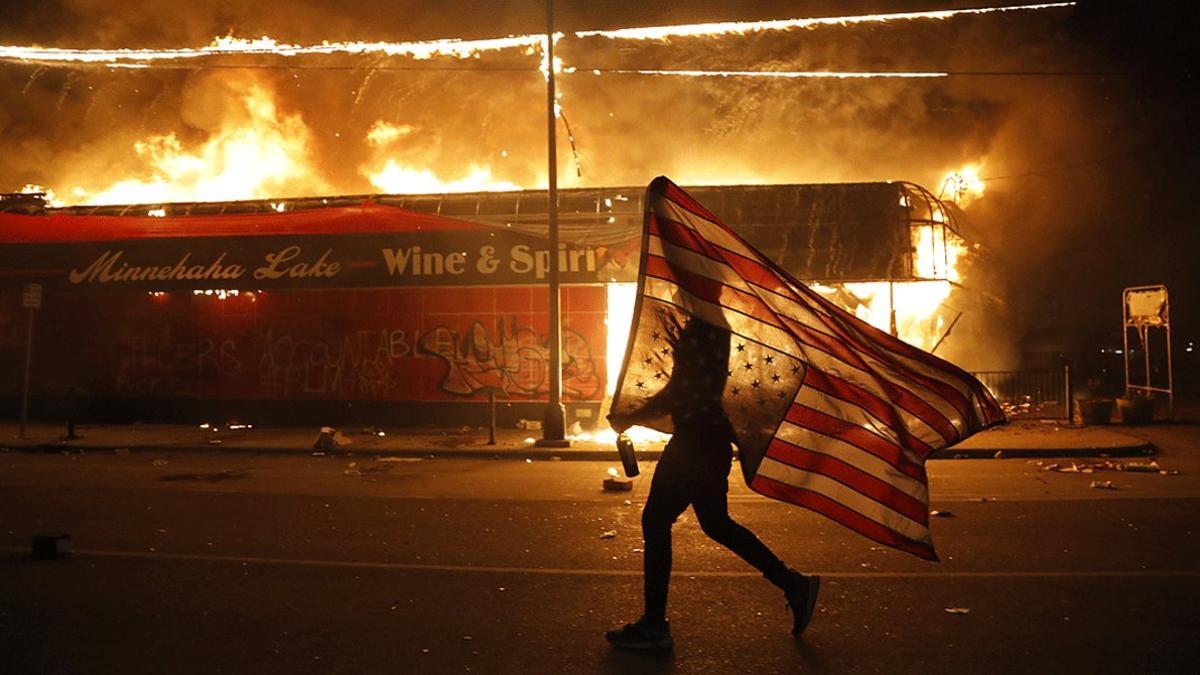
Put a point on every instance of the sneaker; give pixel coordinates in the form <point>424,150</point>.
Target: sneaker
<point>802,599</point>
<point>642,636</point>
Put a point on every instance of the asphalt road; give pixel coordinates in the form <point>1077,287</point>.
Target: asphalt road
<point>228,563</point>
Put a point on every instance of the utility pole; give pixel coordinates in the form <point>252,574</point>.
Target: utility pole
<point>554,419</point>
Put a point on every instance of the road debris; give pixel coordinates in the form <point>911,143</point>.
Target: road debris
<point>958,610</point>
<point>608,534</point>
<point>941,514</point>
<point>1143,467</point>
<point>329,438</point>
<point>51,546</point>
<point>1151,466</point>
<point>399,459</point>
<point>1103,485</point>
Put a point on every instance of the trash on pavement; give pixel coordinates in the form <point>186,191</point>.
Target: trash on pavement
<point>1150,466</point>
<point>958,610</point>
<point>618,485</point>
<point>1143,467</point>
<point>941,514</point>
<point>399,459</point>
<point>329,438</point>
<point>52,545</point>
<point>1103,485</point>
<point>608,534</point>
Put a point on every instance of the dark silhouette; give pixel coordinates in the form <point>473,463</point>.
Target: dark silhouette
<point>694,470</point>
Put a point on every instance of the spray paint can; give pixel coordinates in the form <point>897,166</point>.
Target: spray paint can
<point>628,459</point>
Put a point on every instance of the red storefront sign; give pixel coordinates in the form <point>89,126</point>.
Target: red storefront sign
<point>389,306</point>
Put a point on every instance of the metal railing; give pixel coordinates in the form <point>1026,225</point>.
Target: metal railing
<point>1036,394</point>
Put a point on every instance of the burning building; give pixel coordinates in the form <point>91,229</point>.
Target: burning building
<point>406,309</point>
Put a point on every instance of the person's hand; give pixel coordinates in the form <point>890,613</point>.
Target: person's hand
<point>619,422</point>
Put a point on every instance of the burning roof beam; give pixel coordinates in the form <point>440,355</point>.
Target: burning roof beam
<point>456,48</point>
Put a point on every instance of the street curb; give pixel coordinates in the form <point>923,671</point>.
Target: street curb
<point>550,454</point>
<point>1140,450</point>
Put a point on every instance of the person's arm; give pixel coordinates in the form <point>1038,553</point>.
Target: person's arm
<point>656,406</point>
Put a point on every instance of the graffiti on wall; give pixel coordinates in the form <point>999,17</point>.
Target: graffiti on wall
<point>358,365</point>
<point>162,365</point>
<point>516,362</point>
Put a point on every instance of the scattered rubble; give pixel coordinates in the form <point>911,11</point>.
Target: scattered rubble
<point>608,534</point>
<point>1151,466</point>
<point>1103,485</point>
<point>958,610</point>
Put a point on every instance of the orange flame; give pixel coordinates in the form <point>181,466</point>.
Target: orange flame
<point>257,153</point>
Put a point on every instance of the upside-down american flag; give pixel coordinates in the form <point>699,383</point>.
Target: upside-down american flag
<point>829,412</point>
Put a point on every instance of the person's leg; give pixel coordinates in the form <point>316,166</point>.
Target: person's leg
<point>710,502</point>
<point>668,498</point>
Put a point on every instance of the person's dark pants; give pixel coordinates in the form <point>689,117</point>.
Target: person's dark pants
<point>696,472</point>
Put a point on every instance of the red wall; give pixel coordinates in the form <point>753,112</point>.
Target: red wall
<point>397,344</point>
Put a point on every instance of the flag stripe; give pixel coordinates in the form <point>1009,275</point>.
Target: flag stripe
<point>902,476</point>
<point>839,513</point>
<point>746,327</point>
<point>951,395</point>
<point>898,420</point>
<point>712,290</point>
<point>805,459</point>
<point>849,497</point>
<point>929,408</point>
<point>865,440</point>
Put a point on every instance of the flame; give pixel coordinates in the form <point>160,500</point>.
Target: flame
<point>462,49</point>
<point>395,178</point>
<point>664,33</point>
<point>383,133</point>
<point>231,46</point>
<point>920,314</point>
<point>639,436</point>
<point>963,186</point>
<point>47,194</point>
<point>256,153</point>
<point>780,74</point>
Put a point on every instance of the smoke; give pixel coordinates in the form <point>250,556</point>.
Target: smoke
<point>80,130</point>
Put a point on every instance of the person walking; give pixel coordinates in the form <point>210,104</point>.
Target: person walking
<point>694,470</point>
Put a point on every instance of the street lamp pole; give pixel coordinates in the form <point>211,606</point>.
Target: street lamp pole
<point>554,419</point>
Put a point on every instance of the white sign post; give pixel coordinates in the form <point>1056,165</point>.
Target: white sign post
<point>1146,308</point>
<point>31,299</point>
